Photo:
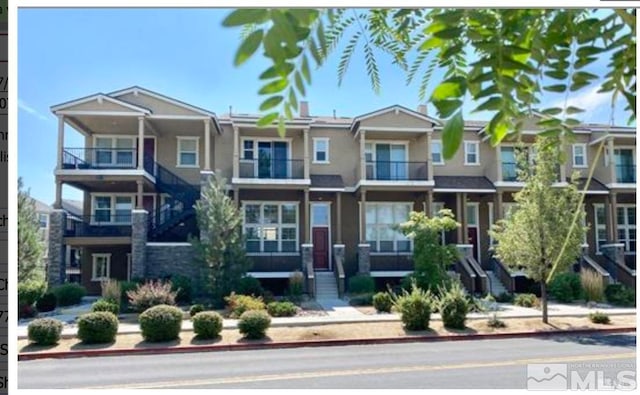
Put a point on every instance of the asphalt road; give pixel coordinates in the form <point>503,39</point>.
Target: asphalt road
<point>461,364</point>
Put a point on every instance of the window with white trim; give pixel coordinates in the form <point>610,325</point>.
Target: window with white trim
<point>247,149</point>
<point>320,150</point>
<point>471,153</point>
<point>100,267</point>
<point>112,209</point>
<point>115,151</point>
<point>436,152</point>
<point>188,151</point>
<point>600,219</point>
<point>626,215</point>
<point>381,218</point>
<point>43,219</point>
<point>271,227</point>
<point>579,155</point>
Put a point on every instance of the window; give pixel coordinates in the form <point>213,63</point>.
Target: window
<point>509,209</point>
<point>625,165</point>
<point>381,218</point>
<point>579,155</point>
<point>247,149</point>
<point>271,227</point>
<point>436,152</point>
<point>600,225</point>
<point>471,155</point>
<point>115,151</point>
<point>320,150</point>
<point>100,267</point>
<point>43,219</point>
<point>188,151</point>
<point>386,161</point>
<point>109,209</point>
<point>626,219</point>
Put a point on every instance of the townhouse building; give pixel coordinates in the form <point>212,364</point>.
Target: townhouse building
<point>323,199</point>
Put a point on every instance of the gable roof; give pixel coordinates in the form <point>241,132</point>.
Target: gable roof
<point>99,97</point>
<point>355,123</point>
<point>136,89</point>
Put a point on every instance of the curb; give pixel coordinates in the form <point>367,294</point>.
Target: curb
<point>312,343</point>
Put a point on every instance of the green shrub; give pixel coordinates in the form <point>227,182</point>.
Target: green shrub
<point>161,323</point>
<point>151,293</point>
<point>414,307</point>
<point>282,309</point>
<point>248,285</point>
<point>253,324</point>
<point>504,297</point>
<point>599,317</point>
<point>361,300</point>
<point>268,296</point>
<point>126,286</point>
<point>106,305</point>
<point>44,331</point>
<point>495,322</point>
<point>296,285</point>
<point>565,287</point>
<point>620,295</point>
<point>592,285</point>
<point>207,324</point>
<point>453,306</point>
<point>111,290</point>
<point>30,291</point>
<point>47,302</point>
<point>238,304</point>
<point>526,300</point>
<point>181,285</point>
<point>383,302</point>
<point>361,284</point>
<point>195,309</point>
<point>69,294</point>
<point>98,327</point>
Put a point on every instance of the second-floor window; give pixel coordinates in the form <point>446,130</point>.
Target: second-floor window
<point>187,151</point>
<point>625,165</point>
<point>271,227</point>
<point>109,209</point>
<point>114,151</point>
<point>436,152</point>
<point>386,161</point>
<point>471,154</point>
<point>579,155</point>
<point>320,150</point>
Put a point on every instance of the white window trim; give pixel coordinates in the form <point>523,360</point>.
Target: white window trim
<point>112,207</point>
<point>584,154</point>
<point>477,144</point>
<point>256,141</point>
<point>376,250</point>
<point>113,138</point>
<point>279,226</point>
<point>197,151</point>
<point>94,267</point>
<point>441,162</point>
<point>373,144</point>
<point>315,150</point>
<point>598,225</point>
<point>626,226</point>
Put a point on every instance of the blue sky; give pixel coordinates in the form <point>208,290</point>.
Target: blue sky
<point>65,54</point>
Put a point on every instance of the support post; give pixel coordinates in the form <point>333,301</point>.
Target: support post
<point>140,185</point>
<point>236,152</point>
<point>140,143</point>
<point>338,217</point>
<point>305,136</point>
<point>429,160</point>
<point>428,207</point>
<point>463,219</point>
<point>363,164</point>
<point>498,163</point>
<point>58,202</point>
<point>459,217</point>
<point>363,216</point>
<point>307,237</point>
<point>207,144</point>
<point>60,140</point>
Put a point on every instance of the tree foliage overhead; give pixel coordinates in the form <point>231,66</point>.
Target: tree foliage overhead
<point>503,59</point>
<point>30,244</point>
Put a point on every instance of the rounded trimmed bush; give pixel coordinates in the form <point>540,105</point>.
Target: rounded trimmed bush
<point>599,317</point>
<point>383,302</point>
<point>161,323</point>
<point>526,300</point>
<point>253,324</point>
<point>47,302</point>
<point>207,324</point>
<point>97,327</point>
<point>195,309</point>
<point>454,306</point>
<point>282,309</point>
<point>415,308</point>
<point>45,331</point>
<point>238,304</point>
<point>30,291</point>
<point>69,294</point>
<point>105,305</point>
<point>565,287</point>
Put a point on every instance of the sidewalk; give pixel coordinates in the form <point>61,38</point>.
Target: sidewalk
<point>339,312</point>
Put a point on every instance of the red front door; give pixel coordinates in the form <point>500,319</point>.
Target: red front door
<point>320,248</point>
<point>473,239</point>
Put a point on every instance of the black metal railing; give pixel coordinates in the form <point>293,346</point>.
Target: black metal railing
<point>272,168</point>
<point>99,158</point>
<point>626,173</point>
<point>101,225</point>
<point>381,170</point>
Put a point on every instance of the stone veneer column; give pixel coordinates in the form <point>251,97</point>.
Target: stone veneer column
<point>364,258</point>
<point>307,261</point>
<point>56,268</point>
<point>139,227</point>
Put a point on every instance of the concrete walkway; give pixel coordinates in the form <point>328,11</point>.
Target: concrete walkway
<point>338,311</point>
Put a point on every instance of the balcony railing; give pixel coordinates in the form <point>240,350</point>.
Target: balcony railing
<point>396,171</point>
<point>100,226</point>
<point>272,168</point>
<point>104,158</point>
<point>626,173</point>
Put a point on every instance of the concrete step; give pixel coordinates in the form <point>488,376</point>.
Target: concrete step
<point>496,285</point>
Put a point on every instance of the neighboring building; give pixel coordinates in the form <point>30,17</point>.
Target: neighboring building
<point>331,188</point>
<point>43,211</point>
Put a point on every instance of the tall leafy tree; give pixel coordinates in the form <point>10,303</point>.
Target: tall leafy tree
<point>220,248</point>
<point>540,235</point>
<point>30,245</point>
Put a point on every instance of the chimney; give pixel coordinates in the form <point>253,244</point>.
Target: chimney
<point>422,109</point>
<point>304,109</point>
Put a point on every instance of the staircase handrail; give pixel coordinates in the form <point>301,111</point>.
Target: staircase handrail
<point>484,279</point>
<point>467,276</point>
<point>503,274</point>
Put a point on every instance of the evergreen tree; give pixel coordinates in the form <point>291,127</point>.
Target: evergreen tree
<point>30,246</point>
<point>220,248</point>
